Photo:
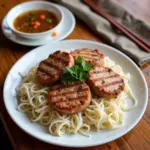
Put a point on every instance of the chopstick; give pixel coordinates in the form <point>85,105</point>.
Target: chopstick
<point>140,42</point>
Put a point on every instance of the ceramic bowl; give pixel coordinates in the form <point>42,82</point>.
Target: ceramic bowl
<point>36,5</point>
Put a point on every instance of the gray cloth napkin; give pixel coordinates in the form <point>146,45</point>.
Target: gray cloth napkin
<point>103,28</point>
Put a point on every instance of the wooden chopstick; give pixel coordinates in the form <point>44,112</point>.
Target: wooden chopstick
<point>136,36</point>
<point>144,45</point>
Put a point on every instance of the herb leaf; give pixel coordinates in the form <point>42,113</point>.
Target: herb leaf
<point>85,65</point>
<point>79,71</point>
<point>79,60</point>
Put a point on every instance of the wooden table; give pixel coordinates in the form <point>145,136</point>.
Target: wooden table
<point>137,139</point>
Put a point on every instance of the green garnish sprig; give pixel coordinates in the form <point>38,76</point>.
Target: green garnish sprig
<point>79,71</point>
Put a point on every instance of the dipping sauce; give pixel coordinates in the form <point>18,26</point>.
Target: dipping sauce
<point>35,21</point>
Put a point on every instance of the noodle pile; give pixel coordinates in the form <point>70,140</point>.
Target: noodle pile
<point>100,114</point>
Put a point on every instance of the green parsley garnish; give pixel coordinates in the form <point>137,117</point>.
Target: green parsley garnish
<point>80,86</point>
<point>79,71</point>
<point>103,81</point>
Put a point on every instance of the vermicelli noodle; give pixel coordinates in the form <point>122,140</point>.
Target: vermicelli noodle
<point>100,114</point>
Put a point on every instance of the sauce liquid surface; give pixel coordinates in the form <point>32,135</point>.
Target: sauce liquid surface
<point>35,21</point>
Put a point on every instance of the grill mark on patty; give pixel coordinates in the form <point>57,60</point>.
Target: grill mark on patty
<point>56,63</point>
<point>96,58</point>
<point>45,75</point>
<point>52,65</point>
<point>65,56</point>
<point>69,103</point>
<point>59,59</point>
<point>67,93</point>
<point>68,89</point>
<point>106,77</point>
<point>45,72</point>
<point>114,88</point>
<point>72,95</point>
<point>44,66</point>
<point>68,107</point>
<point>92,56</point>
<point>111,83</point>
<point>92,52</point>
<point>80,98</point>
<point>62,85</point>
<point>105,82</point>
<point>86,56</point>
<point>70,99</point>
<point>96,72</point>
<point>48,72</point>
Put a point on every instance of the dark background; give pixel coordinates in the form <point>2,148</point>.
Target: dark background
<point>4,140</point>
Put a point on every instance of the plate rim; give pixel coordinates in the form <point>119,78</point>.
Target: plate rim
<point>60,39</point>
<point>83,145</point>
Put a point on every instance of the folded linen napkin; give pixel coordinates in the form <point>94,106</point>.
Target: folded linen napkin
<point>103,28</point>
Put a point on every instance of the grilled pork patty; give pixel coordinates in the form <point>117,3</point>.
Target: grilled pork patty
<point>92,56</point>
<point>105,82</point>
<point>71,98</point>
<point>49,70</point>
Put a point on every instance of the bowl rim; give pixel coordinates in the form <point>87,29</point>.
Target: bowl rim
<point>35,2</point>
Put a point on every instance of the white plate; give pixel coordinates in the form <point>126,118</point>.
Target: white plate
<point>68,25</point>
<point>137,83</point>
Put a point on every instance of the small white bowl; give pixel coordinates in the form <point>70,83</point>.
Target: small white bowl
<point>36,5</point>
